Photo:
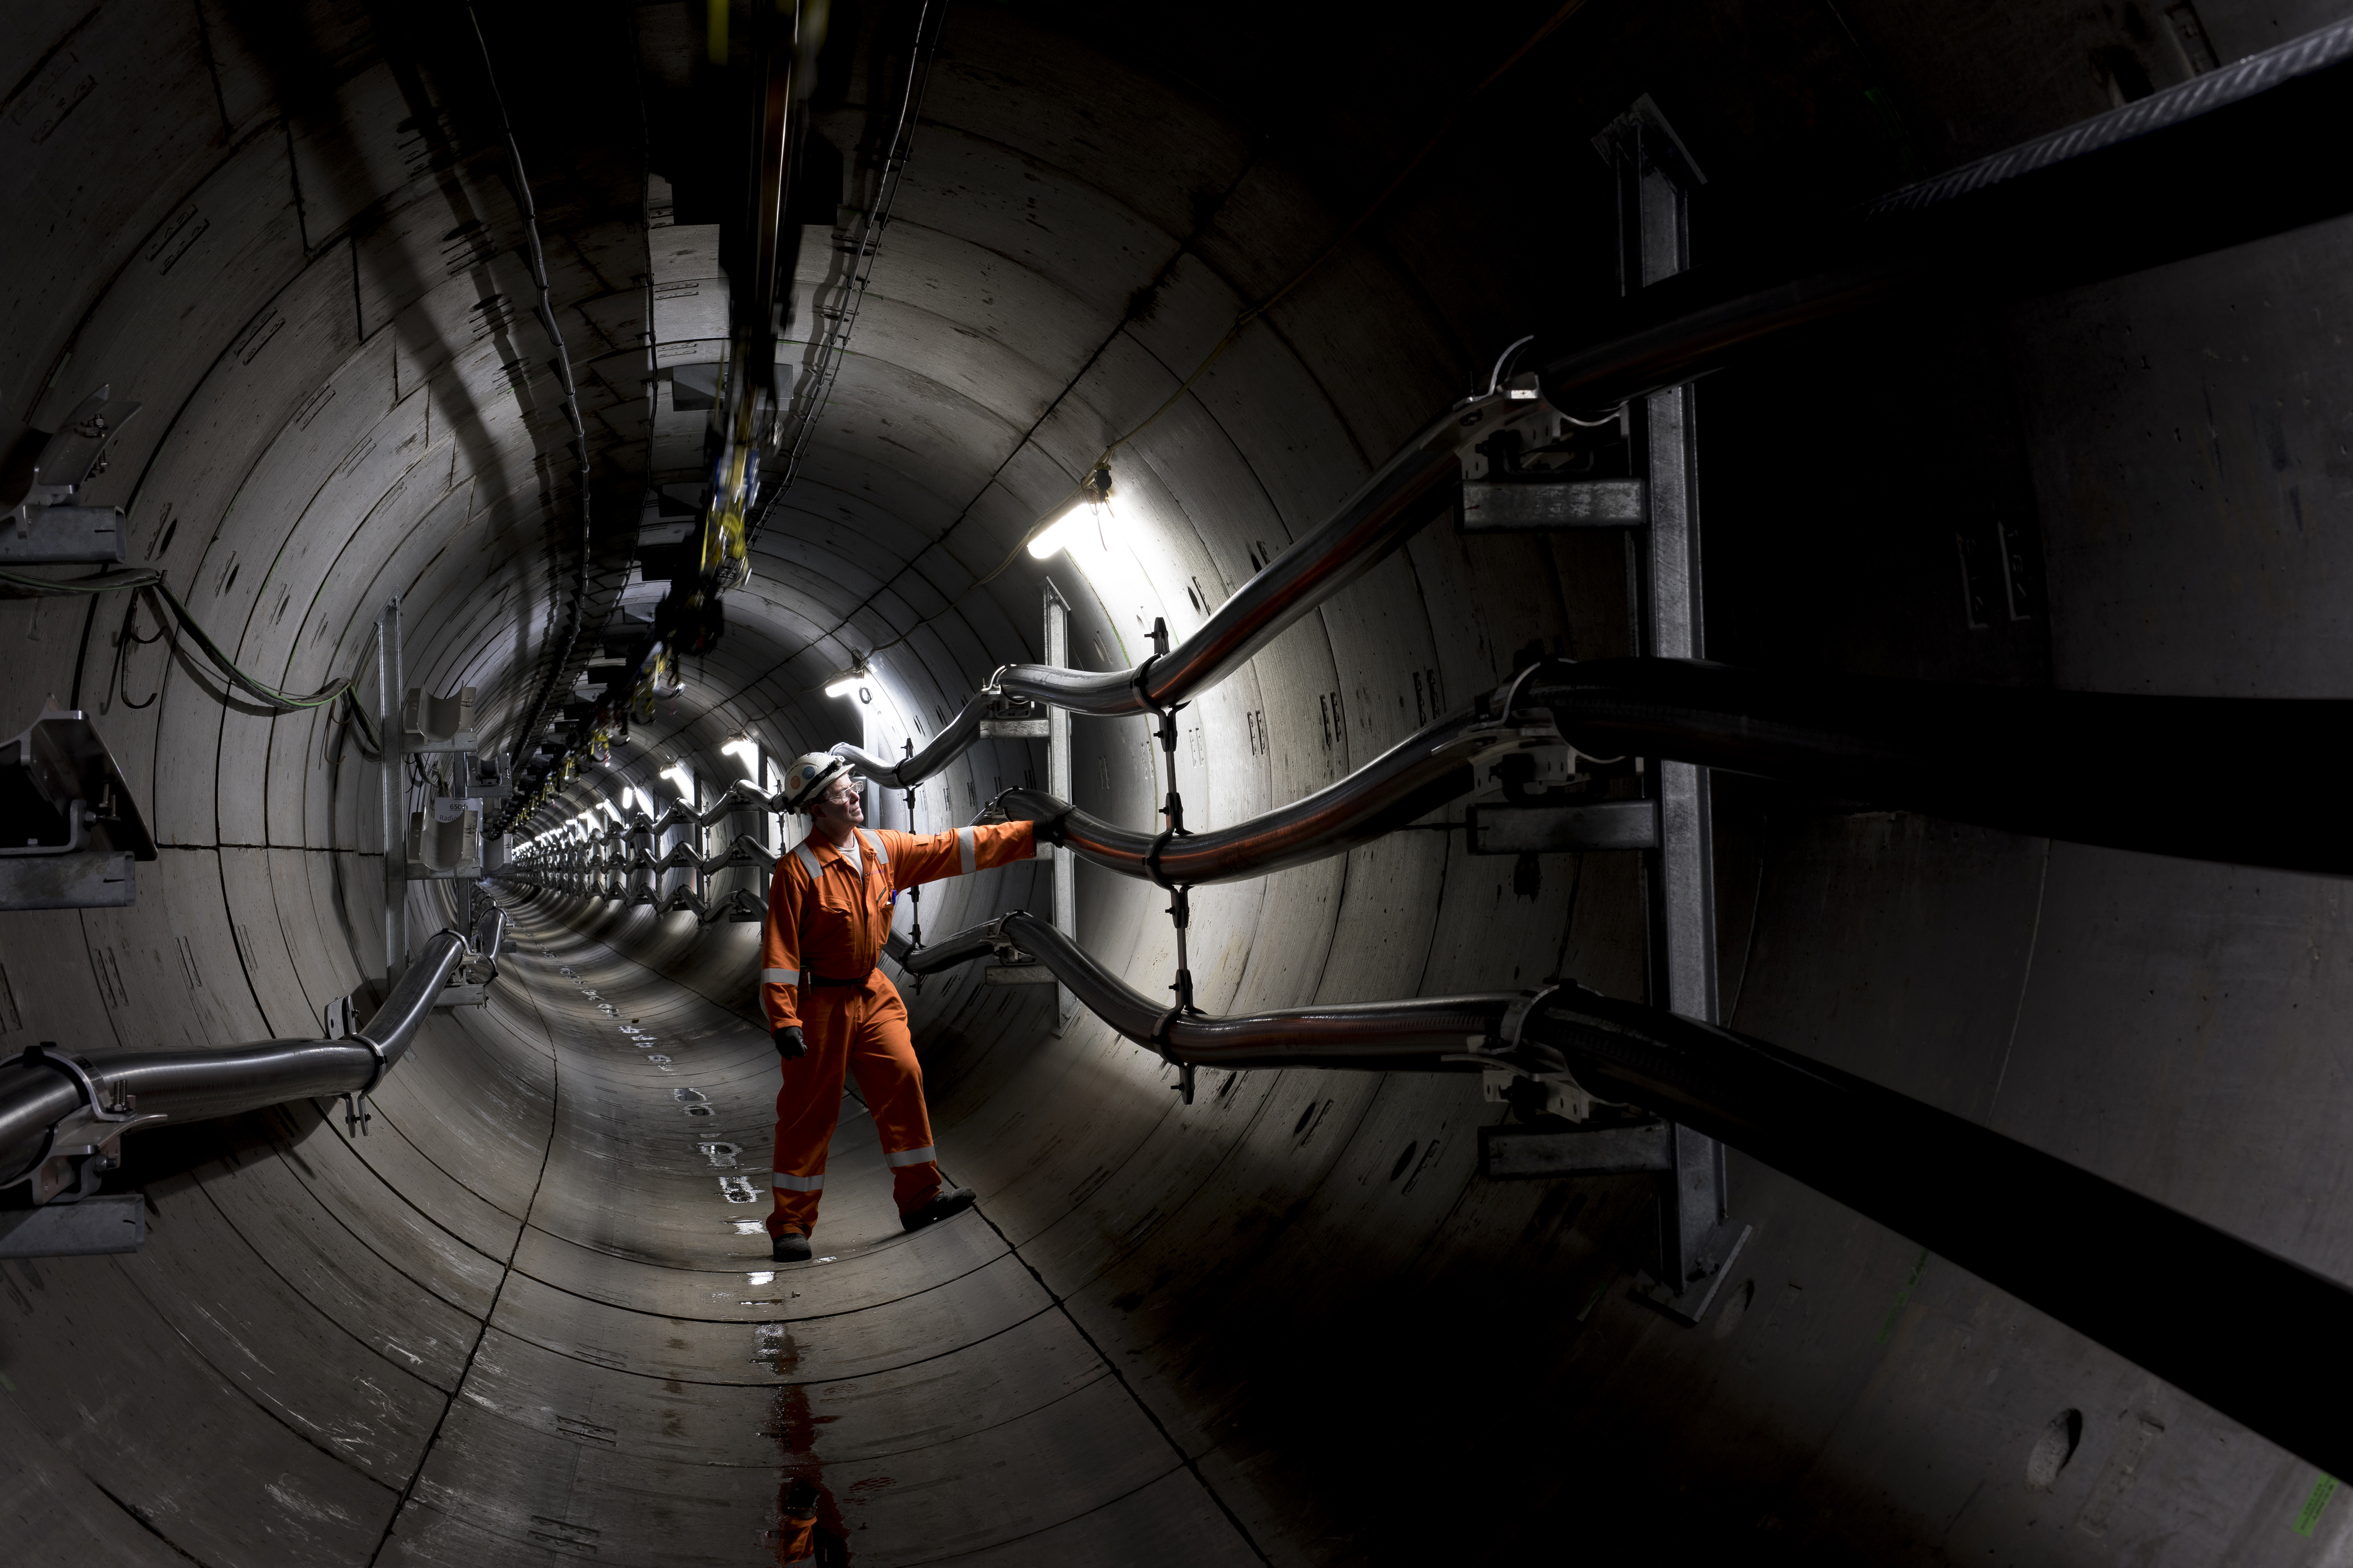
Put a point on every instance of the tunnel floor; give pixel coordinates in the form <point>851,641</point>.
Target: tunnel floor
<point>648,1379</point>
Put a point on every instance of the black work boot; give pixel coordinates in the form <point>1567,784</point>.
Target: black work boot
<point>945,1202</point>
<point>790,1247</point>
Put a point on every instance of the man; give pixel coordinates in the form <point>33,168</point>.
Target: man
<point>830,1009</point>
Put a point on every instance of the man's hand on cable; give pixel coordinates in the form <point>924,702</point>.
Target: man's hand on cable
<point>789,1043</point>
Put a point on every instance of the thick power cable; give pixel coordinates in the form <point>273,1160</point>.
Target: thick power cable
<point>1241,322</point>
<point>152,584</point>
<point>559,653</point>
<point>818,385</point>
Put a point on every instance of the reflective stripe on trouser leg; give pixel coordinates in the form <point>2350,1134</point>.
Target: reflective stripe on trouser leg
<point>796,1202</point>
<point>809,1103</point>
<point>883,1057</point>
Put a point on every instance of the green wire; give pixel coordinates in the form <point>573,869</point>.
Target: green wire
<point>152,582</point>
<point>83,585</point>
<point>270,694</point>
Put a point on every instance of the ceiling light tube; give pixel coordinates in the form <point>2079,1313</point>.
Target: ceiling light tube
<point>841,682</point>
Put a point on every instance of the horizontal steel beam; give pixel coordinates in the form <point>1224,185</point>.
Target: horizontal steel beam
<point>1545,507</point>
<point>1559,829</point>
<point>111,1222</point>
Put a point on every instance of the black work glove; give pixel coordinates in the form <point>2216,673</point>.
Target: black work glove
<point>789,1043</point>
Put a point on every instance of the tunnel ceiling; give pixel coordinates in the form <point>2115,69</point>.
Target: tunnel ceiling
<point>1250,253</point>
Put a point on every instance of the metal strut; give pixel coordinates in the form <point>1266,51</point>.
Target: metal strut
<point>1180,895</point>
<point>915,893</point>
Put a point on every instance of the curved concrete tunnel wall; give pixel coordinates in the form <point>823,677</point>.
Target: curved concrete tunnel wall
<point>1287,1321</point>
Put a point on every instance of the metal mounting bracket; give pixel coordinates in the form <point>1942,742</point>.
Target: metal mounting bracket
<point>1491,829</point>
<point>71,832</point>
<point>113,1222</point>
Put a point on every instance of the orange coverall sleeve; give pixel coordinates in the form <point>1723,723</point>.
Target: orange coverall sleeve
<point>952,854</point>
<point>780,943</point>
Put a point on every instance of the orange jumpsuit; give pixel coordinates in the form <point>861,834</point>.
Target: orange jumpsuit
<point>827,921</point>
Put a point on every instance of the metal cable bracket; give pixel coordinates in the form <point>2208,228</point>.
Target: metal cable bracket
<point>356,1116</point>
<point>1180,896</point>
<point>46,1054</point>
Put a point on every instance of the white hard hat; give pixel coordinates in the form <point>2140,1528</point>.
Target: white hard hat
<point>811,776</point>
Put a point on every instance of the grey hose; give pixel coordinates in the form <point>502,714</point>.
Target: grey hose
<point>192,1085</point>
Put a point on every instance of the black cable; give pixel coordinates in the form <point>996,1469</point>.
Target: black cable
<point>560,653</point>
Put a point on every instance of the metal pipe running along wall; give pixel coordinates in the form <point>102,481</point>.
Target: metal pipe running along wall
<point>2071,765</point>
<point>2081,766</point>
<point>1410,490</point>
<point>2098,199</point>
<point>2217,1317</point>
<point>193,1086</point>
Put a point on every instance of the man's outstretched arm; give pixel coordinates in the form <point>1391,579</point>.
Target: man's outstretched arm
<point>952,854</point>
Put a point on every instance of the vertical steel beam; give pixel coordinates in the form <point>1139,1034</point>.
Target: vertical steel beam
<point>1655,176</point>
<point>393,768</point>
<point>1058,784</point>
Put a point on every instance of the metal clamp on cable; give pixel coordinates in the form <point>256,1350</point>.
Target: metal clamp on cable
<point>1006,950</point>
<point>94,1104</point>
<point>86,1143</point>
<point>1152,860</point>
<point>1140,681</point>
<point>1512,692</point>
<point>356,1115</point>
<point>1516,1017</point>
<point>1160,1027</point>
<point>1563,1096</point>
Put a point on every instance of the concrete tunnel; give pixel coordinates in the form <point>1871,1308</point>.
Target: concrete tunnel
<point>527,1314</point>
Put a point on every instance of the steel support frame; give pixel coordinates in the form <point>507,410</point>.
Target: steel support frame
<point>1057,783</point>
<point>392,770</point>
<point>1697,1236</point>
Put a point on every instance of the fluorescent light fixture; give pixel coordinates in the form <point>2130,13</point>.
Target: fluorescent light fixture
<point>841,682</point>
<point>748,751</point>
<point>1050,540</point>
<point>1096,488</point>
<point>676,773</point>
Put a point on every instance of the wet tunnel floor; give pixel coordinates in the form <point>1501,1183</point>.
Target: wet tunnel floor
<point>648,1378</point>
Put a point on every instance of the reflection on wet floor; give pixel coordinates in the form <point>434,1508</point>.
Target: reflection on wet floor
<point>627,1042</point>
<point>653,1389</point>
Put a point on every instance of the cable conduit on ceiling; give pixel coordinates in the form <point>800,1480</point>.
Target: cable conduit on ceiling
<point>814,390</point>
<point>559,651</point>
<point>2062,764</point>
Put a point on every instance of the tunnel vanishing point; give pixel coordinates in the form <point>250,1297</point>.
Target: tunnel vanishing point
<point>1681,671</point>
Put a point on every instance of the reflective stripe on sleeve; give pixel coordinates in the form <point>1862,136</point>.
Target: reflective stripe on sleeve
<point>808,859</point>
<point>908,1157</point>
<point>965,839</point>
<point>801,1183</point>
<point>792,977</point>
